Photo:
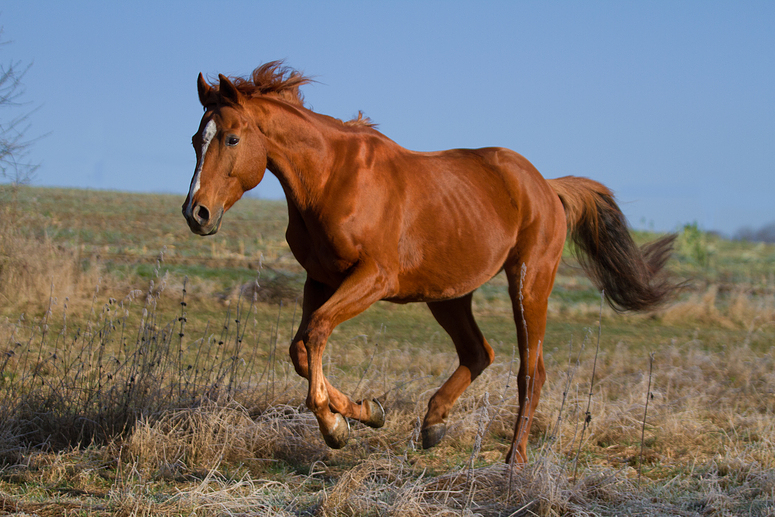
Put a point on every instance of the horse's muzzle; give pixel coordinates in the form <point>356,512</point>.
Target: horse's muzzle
<point>202,220</point>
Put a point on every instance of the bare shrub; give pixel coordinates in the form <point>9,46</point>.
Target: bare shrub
<point>15,167</point>
<point>65,385</point>
<point>272,286</point>
<point>764,234</point>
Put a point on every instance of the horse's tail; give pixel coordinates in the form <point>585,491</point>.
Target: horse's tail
<point>631,277</point>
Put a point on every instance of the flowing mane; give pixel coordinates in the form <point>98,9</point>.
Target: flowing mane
<point>271,78</point>
<point>274,78</point>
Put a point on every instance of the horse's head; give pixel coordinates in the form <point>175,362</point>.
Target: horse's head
<point>230,156</point>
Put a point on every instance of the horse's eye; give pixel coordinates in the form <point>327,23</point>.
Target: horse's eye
<point>232,140</point>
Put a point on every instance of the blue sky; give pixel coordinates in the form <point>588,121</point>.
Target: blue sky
<point>670,104</point>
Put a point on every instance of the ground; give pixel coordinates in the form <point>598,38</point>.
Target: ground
<point>145,372</point>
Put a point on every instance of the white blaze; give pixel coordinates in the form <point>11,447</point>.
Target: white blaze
<point>207,135</point>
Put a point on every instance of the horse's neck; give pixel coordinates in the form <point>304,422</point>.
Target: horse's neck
<point>296,154</point>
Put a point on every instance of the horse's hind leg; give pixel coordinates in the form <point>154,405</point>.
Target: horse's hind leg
<point>529,288</point>
<point>475,355</point>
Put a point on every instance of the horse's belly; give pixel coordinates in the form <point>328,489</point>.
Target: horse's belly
<point>431,284</point>
<point>451,263</point>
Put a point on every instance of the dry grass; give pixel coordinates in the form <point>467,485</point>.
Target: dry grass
<point>32,268</point>
<point>124,401</point>
<point>738,308</point>
<point>709,447</point>
<point>710,451</point>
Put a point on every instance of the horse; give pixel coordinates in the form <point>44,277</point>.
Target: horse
<point>369,220</point>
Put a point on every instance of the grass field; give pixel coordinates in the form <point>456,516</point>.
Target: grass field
<point>145,372</point>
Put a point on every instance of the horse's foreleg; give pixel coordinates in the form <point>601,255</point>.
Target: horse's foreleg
<point>358,291</point>
<point>315,295</point>
<point>475,355</point>
<point>369,412</point>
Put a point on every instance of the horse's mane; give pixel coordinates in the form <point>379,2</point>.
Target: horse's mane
<point>361,120</point>
<point>274,78</point>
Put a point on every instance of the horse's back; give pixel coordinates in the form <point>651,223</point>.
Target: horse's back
<point>503,183</point>
<point>465,212</point>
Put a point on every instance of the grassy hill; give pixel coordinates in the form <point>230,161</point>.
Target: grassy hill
<point>145,372</point>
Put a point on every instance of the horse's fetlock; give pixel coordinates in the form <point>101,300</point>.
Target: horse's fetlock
<point>316,402</point>
<point>437,412</point>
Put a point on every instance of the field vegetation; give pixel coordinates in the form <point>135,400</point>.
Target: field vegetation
<point>144,371</point>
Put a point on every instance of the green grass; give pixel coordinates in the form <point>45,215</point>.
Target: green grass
<point>116,223</point>
<point>123,234</point>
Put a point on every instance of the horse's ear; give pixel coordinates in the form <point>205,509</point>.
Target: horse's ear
<point>228,91</point>
<point>204,90</point>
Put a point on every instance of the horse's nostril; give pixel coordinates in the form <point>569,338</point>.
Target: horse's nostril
<point>201,215</point>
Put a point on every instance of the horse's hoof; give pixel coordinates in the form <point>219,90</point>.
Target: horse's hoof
<point>339,434</point>
<point>433,434</point>
<point>377,418</point>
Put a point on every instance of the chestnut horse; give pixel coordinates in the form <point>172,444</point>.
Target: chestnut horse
<point>370,220</point>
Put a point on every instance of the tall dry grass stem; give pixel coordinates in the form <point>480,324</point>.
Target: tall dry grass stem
<point>476,449</point>
<point>587,413</point>
<point>645,414</point>
<point>569,375</point>
<point>526,359</point>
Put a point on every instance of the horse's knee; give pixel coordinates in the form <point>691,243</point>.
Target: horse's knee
<point>299,358</point>
<point>532,377</point>
<point>318,329</point>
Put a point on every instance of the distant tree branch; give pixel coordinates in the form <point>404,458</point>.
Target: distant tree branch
<point>15,166</point>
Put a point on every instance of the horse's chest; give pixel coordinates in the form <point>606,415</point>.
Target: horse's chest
<point>321,253</point>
